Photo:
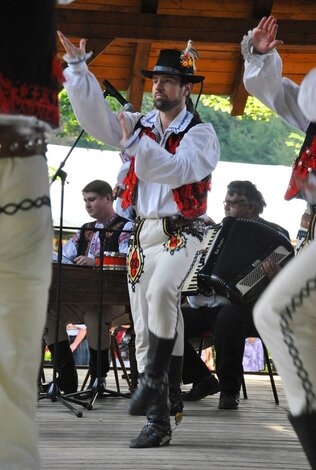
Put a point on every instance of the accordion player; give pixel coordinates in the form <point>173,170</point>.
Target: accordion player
<point>230,263</point>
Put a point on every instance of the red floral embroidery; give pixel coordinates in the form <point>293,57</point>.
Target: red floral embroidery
<point>134,264</point>
<point>301,168</point>
<point>29,100</point>
<point>129,182</point>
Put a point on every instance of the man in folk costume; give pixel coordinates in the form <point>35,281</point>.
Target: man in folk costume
<point>169,155</point>
<point>83,249</point>
<point>285,314</point>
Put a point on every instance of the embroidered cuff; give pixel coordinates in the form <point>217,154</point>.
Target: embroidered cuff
<point>246,46</point>
<point>248,53</point>
<point>77,60</point>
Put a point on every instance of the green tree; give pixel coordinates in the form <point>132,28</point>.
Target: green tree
<point>259,136</point>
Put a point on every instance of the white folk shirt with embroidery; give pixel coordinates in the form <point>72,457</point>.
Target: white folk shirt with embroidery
<point>157,170</point>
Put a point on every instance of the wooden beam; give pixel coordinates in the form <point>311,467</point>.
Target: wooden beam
<point>262,8</point>
<point>149,27</point>
<point>97,46</point>
<point>136,89</point>
<point>239,93</point>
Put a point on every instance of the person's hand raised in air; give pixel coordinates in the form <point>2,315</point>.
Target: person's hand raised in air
<point>264,35</point>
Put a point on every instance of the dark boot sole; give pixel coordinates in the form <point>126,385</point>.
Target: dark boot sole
<point>147,445</point>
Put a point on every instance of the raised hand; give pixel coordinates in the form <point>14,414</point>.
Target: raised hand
<point>124,126</point>
<point>72,50</point>
<point>264,35</point>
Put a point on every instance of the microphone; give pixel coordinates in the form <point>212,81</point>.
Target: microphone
<point>110,90</point>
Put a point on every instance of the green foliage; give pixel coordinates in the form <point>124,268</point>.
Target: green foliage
<point>259,136</point>
<point>295,141</point>
<point>70,129</point>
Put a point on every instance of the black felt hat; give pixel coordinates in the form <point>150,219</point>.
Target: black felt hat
<point>175,62</point>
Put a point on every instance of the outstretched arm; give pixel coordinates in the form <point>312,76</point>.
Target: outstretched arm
<point>86,96</point>
<point>263,73</point>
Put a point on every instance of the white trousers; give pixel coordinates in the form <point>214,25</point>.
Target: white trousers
<point>155,301</point>
<point>285,316</point>
<point>25,273</point>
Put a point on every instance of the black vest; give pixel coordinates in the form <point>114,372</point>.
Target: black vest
<point>111,237</point>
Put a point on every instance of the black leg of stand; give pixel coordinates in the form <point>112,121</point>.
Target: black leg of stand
<point>53,392</point>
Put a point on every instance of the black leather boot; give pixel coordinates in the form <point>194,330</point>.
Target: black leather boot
<point>149,390</point>
<point>157,431</point>
<point>67,379</point>
<point>154,381</point>
<point>305,428</point>
<point>174,376</point>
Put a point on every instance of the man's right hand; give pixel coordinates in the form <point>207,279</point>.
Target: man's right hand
<point>264,35</point>
<point>84,261</point>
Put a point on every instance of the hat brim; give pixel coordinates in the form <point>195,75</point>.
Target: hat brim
<point>189,78</point>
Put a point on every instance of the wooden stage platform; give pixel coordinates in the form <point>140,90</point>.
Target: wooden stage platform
<point>256,436</point>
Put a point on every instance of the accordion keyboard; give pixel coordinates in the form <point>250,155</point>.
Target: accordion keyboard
<point>190,286</point>
<point>256,275</point>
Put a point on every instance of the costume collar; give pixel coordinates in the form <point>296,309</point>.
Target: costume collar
<point>179,124</point>
<point>105,224</point>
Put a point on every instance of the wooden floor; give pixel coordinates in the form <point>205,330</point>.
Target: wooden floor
<point>256,436</point>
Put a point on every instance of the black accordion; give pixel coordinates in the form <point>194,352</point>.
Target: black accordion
<point>230,264</point>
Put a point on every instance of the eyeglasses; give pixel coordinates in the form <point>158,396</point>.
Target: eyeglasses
<point>234,203</point>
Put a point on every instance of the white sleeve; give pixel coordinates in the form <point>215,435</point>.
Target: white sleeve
<point>263,79</point>
<point>70,249</point>
<point>194,159</point>
<point>307,96</point>
<point>197,301</point>
<point>91,108</point>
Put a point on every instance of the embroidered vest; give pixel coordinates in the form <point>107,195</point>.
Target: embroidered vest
<point>111,238</point>
<point>304,163</point>
<point>191,199</point>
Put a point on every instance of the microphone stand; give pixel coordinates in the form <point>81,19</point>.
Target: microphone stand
<point>53,392</point>
<point>62,164</point>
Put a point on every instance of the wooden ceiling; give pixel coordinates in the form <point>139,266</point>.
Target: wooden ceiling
<point>126,36</point>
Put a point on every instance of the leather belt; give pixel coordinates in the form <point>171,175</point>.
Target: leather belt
<point>194,227</point>
<point>173,224</point>
<point>21,141</point>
